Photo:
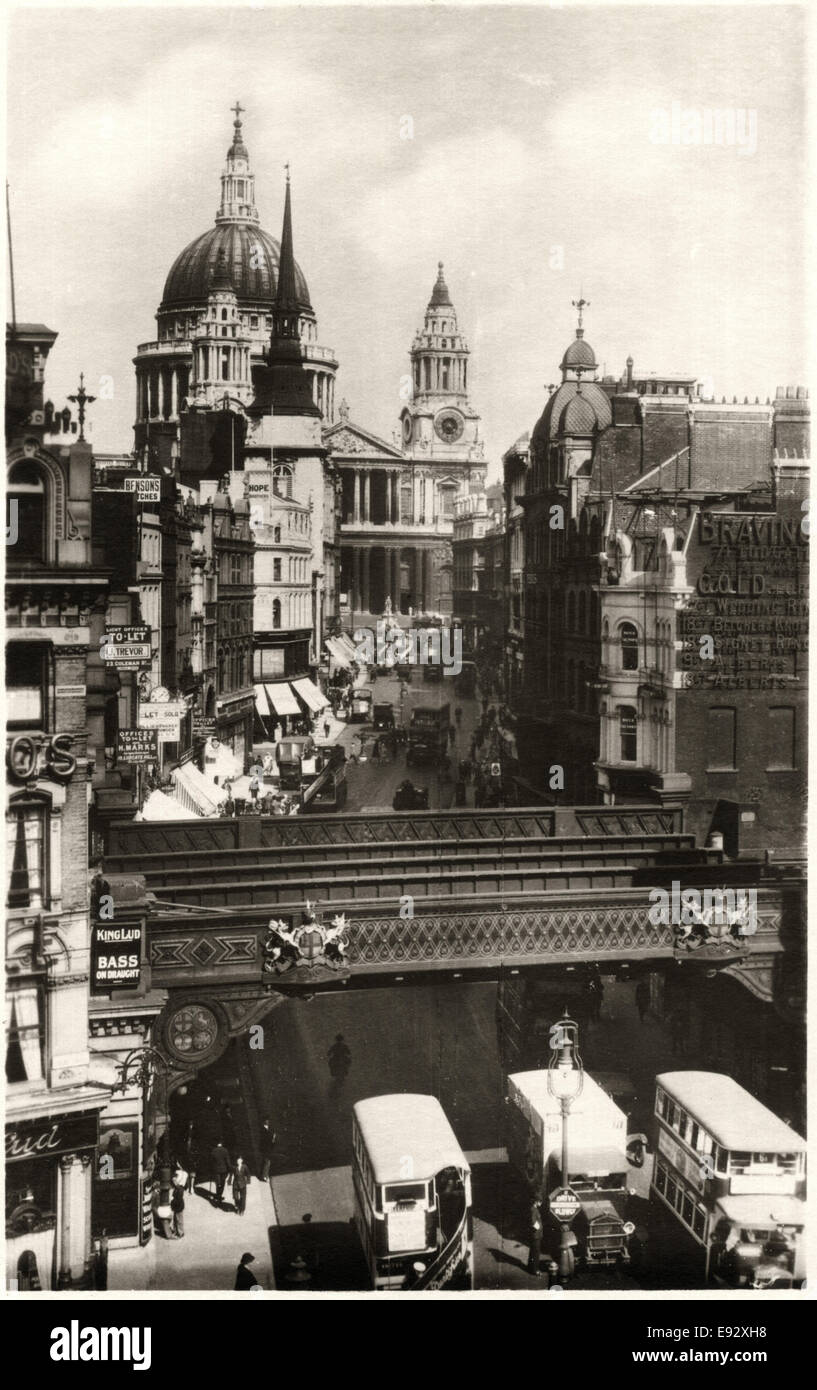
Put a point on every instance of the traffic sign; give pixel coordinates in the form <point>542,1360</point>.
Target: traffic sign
<point>564,1204</point>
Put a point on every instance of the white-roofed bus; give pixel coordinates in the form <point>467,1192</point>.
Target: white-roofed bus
<point>412,1194</point>
<point>733,1175</point>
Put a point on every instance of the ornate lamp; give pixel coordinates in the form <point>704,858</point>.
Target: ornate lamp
<point>565,1082</point>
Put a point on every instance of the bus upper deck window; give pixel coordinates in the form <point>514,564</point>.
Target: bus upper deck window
<point>683,1121</point>
<point>788,1162</point>
<point>405,1192</point>
<point>763,1160</point>
<point>694,1136</point>
<point>739,1162</point>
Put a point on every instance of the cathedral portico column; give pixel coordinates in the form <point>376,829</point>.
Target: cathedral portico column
<point>357,496</point>
<point>367,496</point>
<point>174,392</point>
<point>395,578</point>
<point>365,593</point>
<point>356,566</point>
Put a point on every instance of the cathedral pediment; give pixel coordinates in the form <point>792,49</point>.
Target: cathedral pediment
<point>346,438</point>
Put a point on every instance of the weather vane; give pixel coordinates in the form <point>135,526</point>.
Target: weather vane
<point>581,304</point>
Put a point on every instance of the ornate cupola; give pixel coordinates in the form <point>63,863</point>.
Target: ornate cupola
<point>439,353</point>
<point>237,182</point>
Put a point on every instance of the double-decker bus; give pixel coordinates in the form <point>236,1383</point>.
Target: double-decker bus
<point>412,1194</point>
<point>733,1176</point>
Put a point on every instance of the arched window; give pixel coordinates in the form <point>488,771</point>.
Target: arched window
<point>276,534</point>
<point>628,634</point>
<point>628,733</point>
<point>26,511</point>
<point>276,612</point>
<point>282,480</point>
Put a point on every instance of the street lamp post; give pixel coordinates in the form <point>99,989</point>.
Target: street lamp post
<point>565,1082</point>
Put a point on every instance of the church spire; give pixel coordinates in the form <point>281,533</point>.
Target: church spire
<point>237,182</point>
<point>439,294</point>
<point>282,385</point>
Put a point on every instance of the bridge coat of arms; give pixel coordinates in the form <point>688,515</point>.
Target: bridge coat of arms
<point>309,946</point>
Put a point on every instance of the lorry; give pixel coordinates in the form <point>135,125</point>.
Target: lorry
<point>299,761</point>
<point>597,1161</point>
<point>428,734</point>
<point>383,716</point>
<point>361,705</point>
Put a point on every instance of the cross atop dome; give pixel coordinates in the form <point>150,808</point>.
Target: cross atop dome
<point>238,108</point>
<point>237,182</point>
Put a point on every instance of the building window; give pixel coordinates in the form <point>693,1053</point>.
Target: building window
<point>721,739</point>
<point>582,611</point>
<point>25,856</point>
<point>276,568</point>
<point>27,498</point>
<point>27,684</point>
<point>282,480</point>
<point>628,634</point>
<point>628,733</point>
<point>276,613</point>
<point>24,1035</point>
<point>780,739</point>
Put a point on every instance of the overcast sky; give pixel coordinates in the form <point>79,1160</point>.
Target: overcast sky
<point>538,166</point>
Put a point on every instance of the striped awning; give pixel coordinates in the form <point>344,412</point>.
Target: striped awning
<point>337,651</point>
<point>310,694</point>
<point>261,702</point>
<point>282,699</point>
<point>348,646</point>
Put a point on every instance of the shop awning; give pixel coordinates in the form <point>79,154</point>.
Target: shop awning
<point>261,702</point>
<point>310,694</point>
<point>348,646</point>
<point>337,651</point>
<point>195,793</point>
<point>282,699</point>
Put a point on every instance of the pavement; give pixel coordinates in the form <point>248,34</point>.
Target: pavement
<point>207,1255</point>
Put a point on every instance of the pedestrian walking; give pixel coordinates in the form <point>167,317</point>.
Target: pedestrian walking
<point>241,1181</point>
<point>163,1213</point>
<point>244,1277</point>
<point>327,728</point>
<point>177,1207</point>
<point>340,1059</point>
<point>642,998</point>
<point>255,787</point>
<point>191,1159</point>
<point>535,1252</point>
<point>268,1138</point>
<point>220,1166</point>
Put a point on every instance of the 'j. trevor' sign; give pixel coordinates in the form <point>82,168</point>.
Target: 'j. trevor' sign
<point>128,647</point>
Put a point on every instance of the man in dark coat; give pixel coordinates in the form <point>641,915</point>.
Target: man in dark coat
<point>241,1181</point>
<point>244,1277</point>
<point>268,1138</point>
<point>220,1166</point>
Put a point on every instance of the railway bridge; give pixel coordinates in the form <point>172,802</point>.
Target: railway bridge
<point>460,894</point>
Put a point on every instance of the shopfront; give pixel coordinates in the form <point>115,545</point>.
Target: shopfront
<point>49,1168</point>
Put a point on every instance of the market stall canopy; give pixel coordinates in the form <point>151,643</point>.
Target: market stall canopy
<point>195,792</point>
<point>158,806</point>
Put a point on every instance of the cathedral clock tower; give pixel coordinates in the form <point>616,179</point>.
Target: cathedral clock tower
<point>439,423</point>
